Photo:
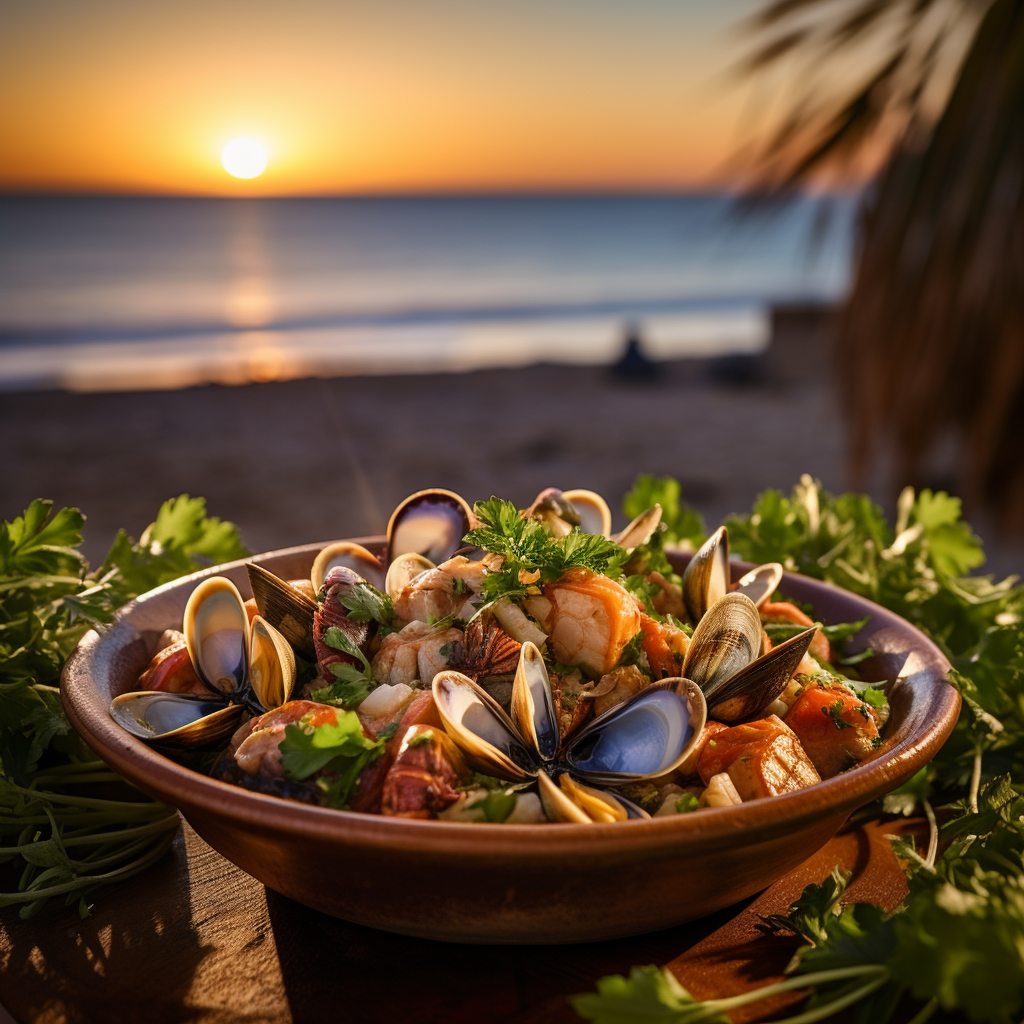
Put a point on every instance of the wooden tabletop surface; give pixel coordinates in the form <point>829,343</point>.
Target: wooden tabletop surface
<point>197,941</point>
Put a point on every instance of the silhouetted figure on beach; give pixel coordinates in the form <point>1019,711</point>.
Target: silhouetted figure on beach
<point>633,364</point>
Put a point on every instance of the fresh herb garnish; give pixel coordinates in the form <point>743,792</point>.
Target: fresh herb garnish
<point>70,842</point>
<point>340,749</point>
<point>526,547</point>
<point>497,805</point>
<point>365,603</point>
<point>633,650</point>
<point>835,712</point>
<point>955,942</point>
<point>686,803</point>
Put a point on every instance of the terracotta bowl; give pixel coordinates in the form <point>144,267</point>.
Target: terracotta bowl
<point>512,883</point>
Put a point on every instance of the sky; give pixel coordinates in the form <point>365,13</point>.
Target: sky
<point>393,96</point>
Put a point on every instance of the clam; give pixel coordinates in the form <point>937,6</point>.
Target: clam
<point>403,570</point>
<point>244,667</point>
<point>648,735</point>
<point>562,511</point>
<point>350,555</point>
<point>431,523</point>
<point>285,607</point>
<point>706,578</point>
<point>724,660</point>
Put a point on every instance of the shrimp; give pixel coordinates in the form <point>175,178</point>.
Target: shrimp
<point>448,589</point>
<point>414,653</point>
<point>589,619</point>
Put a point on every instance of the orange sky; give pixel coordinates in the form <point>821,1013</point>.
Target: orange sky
<point>405,95</point>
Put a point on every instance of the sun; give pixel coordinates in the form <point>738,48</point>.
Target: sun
<point>244,158</point>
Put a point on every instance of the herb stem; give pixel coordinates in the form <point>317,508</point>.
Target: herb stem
<point>975,780</point>
<point>933,835</point>
<point>840,1003</point>
<point>925,1012</point>
<point>797,982</point>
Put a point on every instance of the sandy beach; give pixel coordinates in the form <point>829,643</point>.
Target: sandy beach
<point>314,460</point>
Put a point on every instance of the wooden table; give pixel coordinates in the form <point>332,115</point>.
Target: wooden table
<point>197,940</point>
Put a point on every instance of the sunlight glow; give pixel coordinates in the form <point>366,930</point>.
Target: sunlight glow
<point>244,158</point>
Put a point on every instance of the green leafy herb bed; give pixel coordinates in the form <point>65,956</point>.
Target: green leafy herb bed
<point>68,825</point>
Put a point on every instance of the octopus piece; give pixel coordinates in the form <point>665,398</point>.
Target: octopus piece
<point>171,669</point>
<point>414,653</point>
<point>369,788</point>
<point>762,758</point>
<point>422,778</point>
<point>331,612</point>
<point>448,589</point>
<point>835,727</point>
<point>589,620</point>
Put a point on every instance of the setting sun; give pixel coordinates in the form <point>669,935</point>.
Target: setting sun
<point>244,158</point>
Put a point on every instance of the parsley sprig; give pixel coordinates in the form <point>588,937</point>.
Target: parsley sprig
<point>955,942</point>
<point>74,825</point>
<point>527,547</point>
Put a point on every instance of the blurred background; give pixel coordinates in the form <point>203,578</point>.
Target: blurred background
<point>304,259</point>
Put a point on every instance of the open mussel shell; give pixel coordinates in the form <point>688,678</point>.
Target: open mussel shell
<point>648,735</point>
<point>759,584</point>
<point>288,610</point>
<point>640,530</point>
<point>594,514</point>
<point>727,639</point>
<point>486,735</point>
<point>706,578</point>
<point>533,708</point>
<point>351,556</point>
<point>402,571</point>
<point>431,523</point>
<point>753,688</point>
<point>271,664</point>
<point>216,629</point>
<point>179,720</point>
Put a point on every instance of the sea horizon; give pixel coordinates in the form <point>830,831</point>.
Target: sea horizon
<point>111,292</point>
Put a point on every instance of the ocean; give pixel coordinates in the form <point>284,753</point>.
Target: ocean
<point>125,293</point>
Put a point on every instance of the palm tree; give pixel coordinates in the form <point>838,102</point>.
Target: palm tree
<point>931,341</point>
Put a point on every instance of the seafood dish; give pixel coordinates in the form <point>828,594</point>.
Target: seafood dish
<point>505,665</point>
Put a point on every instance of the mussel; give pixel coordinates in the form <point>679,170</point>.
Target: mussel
<point>724,659</point>
<point>431,523</point>
<point>706,578</point>
<point>244,667</point>
<point>648,735</point>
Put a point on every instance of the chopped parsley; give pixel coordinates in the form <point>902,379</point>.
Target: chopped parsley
<point>340,750</point>
<point>835,712</point>
<point>686,803</point>
<point>365,603</point>
<point>526,547</point>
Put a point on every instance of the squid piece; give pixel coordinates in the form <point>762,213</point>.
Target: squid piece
<point>763,758</point>
<point>589,620</point>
